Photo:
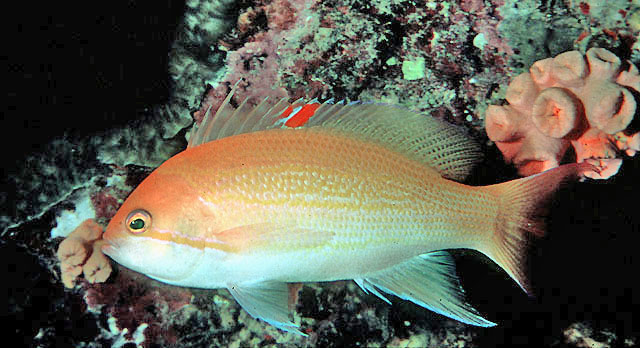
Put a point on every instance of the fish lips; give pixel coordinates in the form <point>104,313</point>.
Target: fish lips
<point>110,248</point>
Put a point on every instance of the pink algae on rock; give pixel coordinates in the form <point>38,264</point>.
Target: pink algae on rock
<point>80,253</point>
<point>569,102</point>
<point>134,300</point>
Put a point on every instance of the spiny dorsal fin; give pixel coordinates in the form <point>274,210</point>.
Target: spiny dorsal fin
<point>435,143</point>
<point>228,121</point>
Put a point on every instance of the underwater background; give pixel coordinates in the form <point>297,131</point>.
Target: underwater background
<point>98,94</point>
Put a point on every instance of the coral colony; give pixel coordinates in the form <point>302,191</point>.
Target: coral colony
<point>568,102</point>
<point>80,253</point>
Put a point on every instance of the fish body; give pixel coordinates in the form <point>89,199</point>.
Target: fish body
<point>360,192</point>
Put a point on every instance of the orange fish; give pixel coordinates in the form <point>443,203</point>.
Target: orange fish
<point>359,191</point>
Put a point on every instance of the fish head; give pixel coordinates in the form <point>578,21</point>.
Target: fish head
<point>157,231</point>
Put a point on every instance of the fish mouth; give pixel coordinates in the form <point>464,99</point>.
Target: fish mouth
<point>110,248</point>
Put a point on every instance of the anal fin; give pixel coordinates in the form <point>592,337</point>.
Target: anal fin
<point>267,301</point>
<point>428,280</point>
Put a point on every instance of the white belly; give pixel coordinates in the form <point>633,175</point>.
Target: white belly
<point>218,268</point>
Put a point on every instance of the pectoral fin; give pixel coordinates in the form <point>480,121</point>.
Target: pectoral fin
<point>428,280</point>
<point>267,301</point>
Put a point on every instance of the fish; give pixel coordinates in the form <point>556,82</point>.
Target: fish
<point>291,192</point>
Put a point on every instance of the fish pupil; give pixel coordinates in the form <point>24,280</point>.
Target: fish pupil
<point>137,224</point>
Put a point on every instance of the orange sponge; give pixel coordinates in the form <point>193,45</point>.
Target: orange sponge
<point>80,253</point>
<point>568,102</point>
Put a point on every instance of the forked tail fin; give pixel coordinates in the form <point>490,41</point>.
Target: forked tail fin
<point>523,204</point>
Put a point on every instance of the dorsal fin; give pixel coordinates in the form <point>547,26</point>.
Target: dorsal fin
<point>228,121</point>
<point>440,145</point>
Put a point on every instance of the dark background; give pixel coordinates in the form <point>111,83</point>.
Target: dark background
<point>81,67</point>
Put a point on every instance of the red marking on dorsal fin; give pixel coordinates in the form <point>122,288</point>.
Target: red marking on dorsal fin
<point>286,112</point>
<point>302,116</point>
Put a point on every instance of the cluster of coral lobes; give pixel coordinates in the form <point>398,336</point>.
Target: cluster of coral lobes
<point>586,103</point>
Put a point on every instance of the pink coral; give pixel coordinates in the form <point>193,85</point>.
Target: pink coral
<point>568,102</point>
<point>80,253</point>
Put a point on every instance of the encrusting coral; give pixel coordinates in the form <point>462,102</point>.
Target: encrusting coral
<point>80,253</point>
<point>568,102</point>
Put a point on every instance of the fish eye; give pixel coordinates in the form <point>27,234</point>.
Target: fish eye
<point>138,221</point>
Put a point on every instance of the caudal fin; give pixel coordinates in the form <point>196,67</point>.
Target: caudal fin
<point>523,204</point>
